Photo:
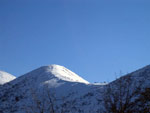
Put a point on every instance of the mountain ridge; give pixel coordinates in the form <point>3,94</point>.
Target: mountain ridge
<point>76,92</point>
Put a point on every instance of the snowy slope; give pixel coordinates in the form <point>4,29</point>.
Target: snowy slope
<point>140,76</point>
<point>57,78</point>
<point>64,74</point>
<point>52,72</point>
<point>5,77</point>
<point>75,94</point>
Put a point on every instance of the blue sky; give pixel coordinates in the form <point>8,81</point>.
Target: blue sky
<point>94,38</point>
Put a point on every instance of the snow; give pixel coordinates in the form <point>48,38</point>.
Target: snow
<point>78,93</point>
<point>51,74</point>
<point>65,74</point>
<point>5,77</point>
<point>60,80</point>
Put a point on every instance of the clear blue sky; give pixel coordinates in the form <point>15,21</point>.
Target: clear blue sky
<point>94,38</point>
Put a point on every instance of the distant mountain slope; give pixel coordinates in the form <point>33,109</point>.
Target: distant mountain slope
<point>59,79</point>
<point>5,77</point>
<point>69,92</point>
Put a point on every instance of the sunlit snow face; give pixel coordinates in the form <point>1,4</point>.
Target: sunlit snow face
<point>5,77</point>
<point>65,74</point>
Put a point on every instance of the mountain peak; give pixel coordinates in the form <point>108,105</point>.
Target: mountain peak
<point>63,73</point>
<point>57,72</point>
<point>5,77</point>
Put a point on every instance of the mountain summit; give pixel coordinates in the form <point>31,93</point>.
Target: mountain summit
<point>64,73</point>
<point>51,73</point>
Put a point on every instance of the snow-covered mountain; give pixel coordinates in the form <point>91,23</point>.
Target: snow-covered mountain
<point>63,73</point>
<point>5,77</point>
<point>59,88</point>
<point>58,79</point>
